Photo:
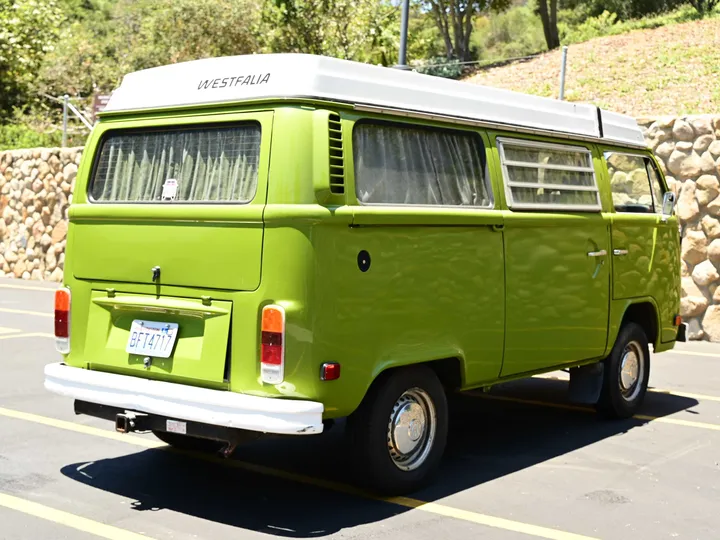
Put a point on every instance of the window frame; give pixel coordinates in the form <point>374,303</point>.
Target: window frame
<point>164,129</point>
<point>650,162</point>
<point>475,135</point>
<point>657,205</point>
<point>508,184</point>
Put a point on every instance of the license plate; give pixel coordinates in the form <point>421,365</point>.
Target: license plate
<point>176,426</point>
<point>150,338</point>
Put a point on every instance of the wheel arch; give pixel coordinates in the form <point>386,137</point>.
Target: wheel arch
<point>642,311</point>
<point>449,370</point>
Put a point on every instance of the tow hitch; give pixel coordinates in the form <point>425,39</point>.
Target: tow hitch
<point>127,422</point>
<point>133,421</point>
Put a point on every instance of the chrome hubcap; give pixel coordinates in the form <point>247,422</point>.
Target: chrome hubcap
<point>411,430</point>
<point>632,366</point>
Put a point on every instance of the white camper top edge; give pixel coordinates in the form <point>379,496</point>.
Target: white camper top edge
<point>233,79</point>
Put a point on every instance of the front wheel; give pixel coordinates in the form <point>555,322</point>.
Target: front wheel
<point>626,374</point>
<point>400,429</point>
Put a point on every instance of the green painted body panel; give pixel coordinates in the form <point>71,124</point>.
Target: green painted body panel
<point>650,267</point>
<point>557,296</point>
<point>127,250</point>
<point>504,293</point>
<point>432,292</point>
<point>647,270</point>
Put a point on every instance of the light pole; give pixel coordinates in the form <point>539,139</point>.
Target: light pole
<point>402,61</point>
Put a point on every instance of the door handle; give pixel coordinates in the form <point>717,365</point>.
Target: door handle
<point>620,252</point>
<point>600,253</point>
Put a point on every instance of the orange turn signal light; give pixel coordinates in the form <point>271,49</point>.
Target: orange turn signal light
<point>62,300</point>
<point>273,319</point>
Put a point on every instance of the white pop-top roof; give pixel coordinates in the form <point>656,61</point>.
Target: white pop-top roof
<point>238,78</point>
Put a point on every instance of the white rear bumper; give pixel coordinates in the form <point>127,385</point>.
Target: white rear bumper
<point>182,402</point>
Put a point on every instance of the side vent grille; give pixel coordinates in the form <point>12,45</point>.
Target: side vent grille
<point>337,161</point>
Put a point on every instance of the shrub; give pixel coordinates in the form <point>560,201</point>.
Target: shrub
<point>439,66</point>
<point>574,29</point>
<point>14,136</point>
<point>602,25</point>
<point>625,9</point>
<point>510,34</point>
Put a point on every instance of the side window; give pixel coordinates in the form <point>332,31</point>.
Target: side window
<point>548,176</point>
<point>421,166</point>
<point>630,183</point>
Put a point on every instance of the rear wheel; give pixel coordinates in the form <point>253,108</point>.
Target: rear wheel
<point>187,442</point>
<point>626,374</point>
<point>399,431</point>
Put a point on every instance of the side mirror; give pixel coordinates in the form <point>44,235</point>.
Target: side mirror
<point>668,205</point>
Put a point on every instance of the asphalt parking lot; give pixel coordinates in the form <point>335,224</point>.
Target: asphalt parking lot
<point>521,463</point>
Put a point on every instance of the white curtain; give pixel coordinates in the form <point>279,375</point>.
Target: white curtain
<point>398,165</point>
<point>215,164</point>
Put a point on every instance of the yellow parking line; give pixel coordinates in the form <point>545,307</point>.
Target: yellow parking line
<point>678,422</point>
<point>424,506</point>
<point>701,397</point>
<point>24,287</point>
<point>4,330</point>
<point>80,428</point>
<point>27,335</point>
<point>407,502</point>
<point>24,312</point>
<point>679,393</point>
<point>69,520</point>
<point>693,353</point>
<point>569,407</point>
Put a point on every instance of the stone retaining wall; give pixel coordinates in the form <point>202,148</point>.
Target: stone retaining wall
<point>688,149</point>
<point>36,190</point>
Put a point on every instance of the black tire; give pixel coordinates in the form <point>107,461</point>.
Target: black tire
<point>619,399</point>
<point>187,442</point>
<point>401,394</point>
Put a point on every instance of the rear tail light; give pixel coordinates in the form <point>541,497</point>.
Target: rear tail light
<point>272,349</point>
<point>62,320</point>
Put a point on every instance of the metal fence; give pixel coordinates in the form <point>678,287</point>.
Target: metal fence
<point>67,109</point>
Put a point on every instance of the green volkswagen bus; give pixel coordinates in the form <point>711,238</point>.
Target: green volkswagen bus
<point>267,243</point>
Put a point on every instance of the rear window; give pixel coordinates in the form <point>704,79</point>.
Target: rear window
<point>420,166</point>
<point>217,164</point>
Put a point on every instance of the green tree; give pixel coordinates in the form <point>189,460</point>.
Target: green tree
<point>580,10</point>
<point>454,20</point>
<point>548,15</point>
<point>97,50</point>
<point>28,30</point>
<point>704,7</point>
<point>351,29</point>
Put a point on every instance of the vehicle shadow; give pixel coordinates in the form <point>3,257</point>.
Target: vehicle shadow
<point>490,436</point>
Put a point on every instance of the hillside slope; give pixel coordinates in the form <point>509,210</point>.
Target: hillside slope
<point>671,70</point>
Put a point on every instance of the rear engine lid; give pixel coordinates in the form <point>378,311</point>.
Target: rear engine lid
<point>191,345</point>
<point>217,248</point>
<point>174,203</point>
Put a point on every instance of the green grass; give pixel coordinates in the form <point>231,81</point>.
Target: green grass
<point>665,70</point>
<point>607,24</point>
<point>518,32</point>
